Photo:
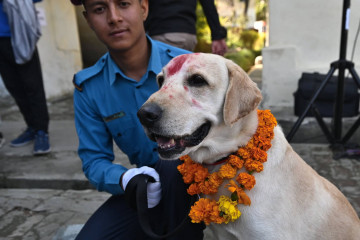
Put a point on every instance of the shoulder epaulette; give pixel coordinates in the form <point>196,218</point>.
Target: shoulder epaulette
<point>87,73</point>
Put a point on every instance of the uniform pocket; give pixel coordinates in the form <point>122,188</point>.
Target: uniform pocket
<point>122,130</point>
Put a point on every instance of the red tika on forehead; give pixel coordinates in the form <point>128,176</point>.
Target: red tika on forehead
<point>177,64</point>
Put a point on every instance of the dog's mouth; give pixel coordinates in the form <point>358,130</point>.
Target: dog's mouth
<point>169,146</point>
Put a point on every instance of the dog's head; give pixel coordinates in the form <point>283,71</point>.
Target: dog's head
<point>200,94</point>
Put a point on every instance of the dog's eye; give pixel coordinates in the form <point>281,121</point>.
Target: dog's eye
<point>197,81</point>
<point>160,81</point>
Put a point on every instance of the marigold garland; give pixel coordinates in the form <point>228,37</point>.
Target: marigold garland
<point>251,157</point>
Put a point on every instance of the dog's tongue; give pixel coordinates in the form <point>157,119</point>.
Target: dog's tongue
<point>165,142</point>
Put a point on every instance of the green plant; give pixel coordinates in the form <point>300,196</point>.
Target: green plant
<point>244,58</point>
<point>248,38</point>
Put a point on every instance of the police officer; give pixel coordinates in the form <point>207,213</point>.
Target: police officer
<point>106,100</point>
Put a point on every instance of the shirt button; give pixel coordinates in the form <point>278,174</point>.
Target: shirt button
<point>138,87</point>
<point>119,134</point>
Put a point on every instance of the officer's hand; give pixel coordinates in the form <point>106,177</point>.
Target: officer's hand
<point>153,189</point>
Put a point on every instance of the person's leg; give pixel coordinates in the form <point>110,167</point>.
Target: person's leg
<point>181,40</point>
<point>12,79</point>
<point>113,220</point>
<point>32,81</point>
<point>116,220</point>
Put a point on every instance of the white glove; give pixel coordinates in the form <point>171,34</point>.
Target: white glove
<point>153,189</point>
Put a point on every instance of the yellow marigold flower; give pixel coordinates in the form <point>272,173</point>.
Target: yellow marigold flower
<point>228,208</point>
<point>254,166</point>
<point>246,180</point>
<point>235,161</point>
<point>227,171</point>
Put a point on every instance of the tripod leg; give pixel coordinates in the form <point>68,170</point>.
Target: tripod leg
<point>323,126</point>
<point>318,91</point>
<point>355,76</point>
<point>339,103</point>
<point>351,131</point>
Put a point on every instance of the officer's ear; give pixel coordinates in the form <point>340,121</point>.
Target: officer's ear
<point>144,4</point>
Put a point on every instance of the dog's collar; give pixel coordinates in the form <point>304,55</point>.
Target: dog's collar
<point>218,162</point>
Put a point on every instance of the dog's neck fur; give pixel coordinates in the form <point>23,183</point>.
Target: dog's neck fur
<point>215,147</point>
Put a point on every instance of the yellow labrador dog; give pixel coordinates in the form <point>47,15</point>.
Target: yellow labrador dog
<point>207,108</point>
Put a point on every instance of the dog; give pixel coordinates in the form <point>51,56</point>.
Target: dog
<point>206,108</point>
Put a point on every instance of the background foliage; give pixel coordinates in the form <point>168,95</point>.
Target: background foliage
<point>244,44</point>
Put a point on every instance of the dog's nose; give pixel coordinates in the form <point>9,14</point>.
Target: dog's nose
<point>149,114</point>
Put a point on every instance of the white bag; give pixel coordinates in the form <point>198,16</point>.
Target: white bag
<point>24,26</point>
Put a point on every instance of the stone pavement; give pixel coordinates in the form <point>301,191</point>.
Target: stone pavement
<point>48,197</point>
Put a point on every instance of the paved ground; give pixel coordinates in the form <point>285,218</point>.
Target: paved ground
<point>49,198</point>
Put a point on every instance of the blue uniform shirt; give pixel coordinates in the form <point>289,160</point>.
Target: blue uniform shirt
<point>106,103</point>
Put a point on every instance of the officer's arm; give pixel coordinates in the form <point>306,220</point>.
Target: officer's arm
<point>96,147</point>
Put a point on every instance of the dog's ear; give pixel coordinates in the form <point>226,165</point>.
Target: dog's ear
<point>242,95</point>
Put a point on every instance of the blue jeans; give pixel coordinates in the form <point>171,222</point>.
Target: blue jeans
<point>116,220</point>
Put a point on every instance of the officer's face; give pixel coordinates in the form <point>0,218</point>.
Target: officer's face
<point>117,23</point>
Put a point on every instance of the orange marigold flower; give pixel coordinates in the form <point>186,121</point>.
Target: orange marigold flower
<point>252,156</point>
<point>243,153</point>
<point>211,184</point>
<point>235,161</point>
<point>200,174</point>
<point>181,168</point>
<point>193,189</point>
<point>215,179</point>
<point>246,180</point>
<point>254,166</point>
<point>227,171</point>
<point>232,186</point>
<point>186,159</point>
<point>259,155</point>
<point>205,210</point>
<point>208,188</point>
<point>243,198</point>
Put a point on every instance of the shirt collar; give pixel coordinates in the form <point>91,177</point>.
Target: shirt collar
<point>153,66</point>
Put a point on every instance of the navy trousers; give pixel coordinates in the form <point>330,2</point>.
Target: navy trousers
<point>116,220</point>
<point>25,84</point>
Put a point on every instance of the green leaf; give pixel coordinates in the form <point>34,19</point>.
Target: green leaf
<point>234,196</point>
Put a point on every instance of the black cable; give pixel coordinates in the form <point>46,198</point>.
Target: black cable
<point>354,46</point>
<point>355,41</point>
